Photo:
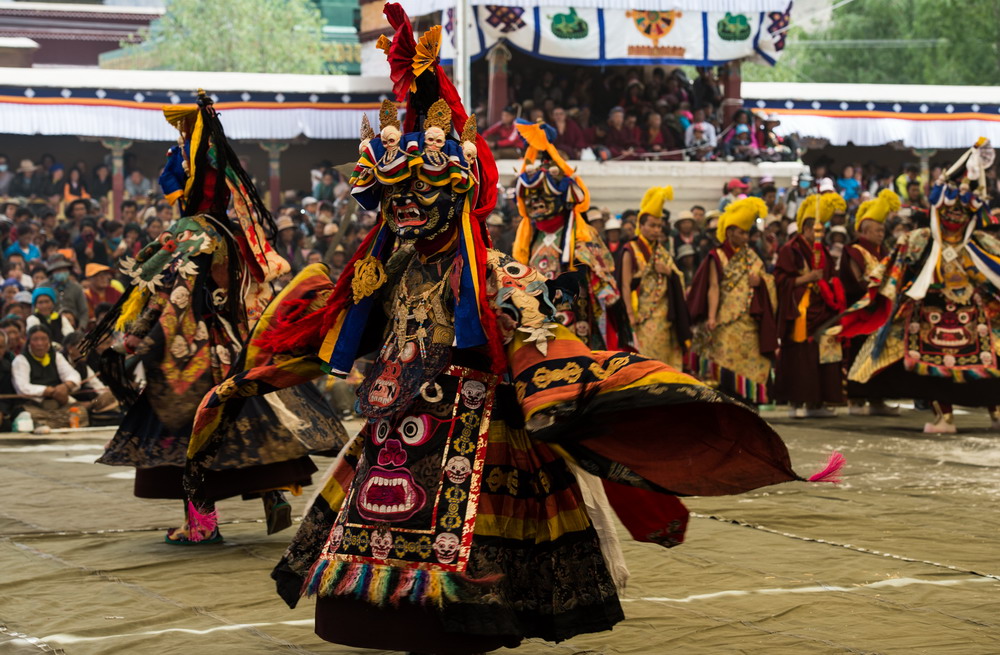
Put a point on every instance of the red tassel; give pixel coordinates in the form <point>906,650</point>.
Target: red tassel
<point>832,470</point>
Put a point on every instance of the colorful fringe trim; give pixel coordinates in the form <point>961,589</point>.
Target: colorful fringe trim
<point>957,373</point>
<point>381,584</point>
<point>726,380</point>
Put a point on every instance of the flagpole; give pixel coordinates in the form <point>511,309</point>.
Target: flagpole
<point>462,70</point>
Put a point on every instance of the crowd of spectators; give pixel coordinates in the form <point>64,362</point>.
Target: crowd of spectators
<point>689,235</point>
<point>61,251</point>
<point>630,115</point>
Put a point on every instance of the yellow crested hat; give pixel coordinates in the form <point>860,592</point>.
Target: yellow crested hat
<point>653,199</point>
<point>878,208</point>
<point>821,207</point>
<point>741,213</point>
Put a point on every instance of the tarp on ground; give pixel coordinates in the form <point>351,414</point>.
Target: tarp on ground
<point>900,558</point>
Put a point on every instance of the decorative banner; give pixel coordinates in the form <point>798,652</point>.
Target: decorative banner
<point>616,37</point>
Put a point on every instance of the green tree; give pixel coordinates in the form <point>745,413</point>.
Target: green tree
<point>954,42</point>
<point>251,36</point>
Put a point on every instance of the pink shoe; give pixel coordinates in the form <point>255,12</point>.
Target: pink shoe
<point>940,427</point>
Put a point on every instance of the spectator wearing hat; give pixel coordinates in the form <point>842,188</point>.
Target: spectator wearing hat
<point>836,240</point>
<point>338,261</point>
<point>502,137</point>
<point>500,233</point>
<point>687,261</point>
<point>740,147</point>
<point>23,245</point>
<point>100,290</point>
<point>72,300</point>
<point>683,231</point>
<point>29,182</point>
<point>10,289</point>
<point>46,379</point>
<point>19,305</point>
<point>44,312</point>
<point>734,189</point>
<point>89,248</point>
<point>613,233</point>
<point>288,242</point>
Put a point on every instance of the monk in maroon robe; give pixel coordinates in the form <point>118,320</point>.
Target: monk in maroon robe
<point>810,295</point>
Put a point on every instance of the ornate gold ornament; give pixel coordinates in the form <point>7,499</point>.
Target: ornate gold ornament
<point>369,276</point>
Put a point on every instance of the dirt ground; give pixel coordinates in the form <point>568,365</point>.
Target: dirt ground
<point>902,557</point>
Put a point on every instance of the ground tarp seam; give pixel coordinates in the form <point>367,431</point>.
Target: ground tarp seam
<point>857,549</point>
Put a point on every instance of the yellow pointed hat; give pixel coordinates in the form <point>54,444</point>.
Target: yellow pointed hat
<point>878,208</point>
<point>741,213</point>
<point>828,205</point>
<point>653,199</point>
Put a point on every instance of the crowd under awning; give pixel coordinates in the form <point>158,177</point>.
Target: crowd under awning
<point>128,104</point>
<point>915,116</point>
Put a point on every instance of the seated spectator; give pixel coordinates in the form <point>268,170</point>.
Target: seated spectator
<point>154,227</point>
<point>101,183</point>
<point>48,381</point>
<point>72,300</point>
<point>325,188</point>
<point>38,275</point>
<point>13,327</point>
<point>30,181</point>
<point>20,305</point>
<point>56,184</point>
<point>740,148</point>
<point>620,139</point>
<point>14,270</point>
<point>700,145</point>
<point>655,138</point>
<point>11,287</point>
<point>502,137</point>
<point>75,188</point>
<point>89,247</point>
<point>137,185</point>
<point>288,243</point>
<point>100,289</point>
<point>24,246</point>
<point>129,211</point>
<point>850,187</point>
<point>569,136</point>
<point>44,312</point>
<point>707,129</point>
